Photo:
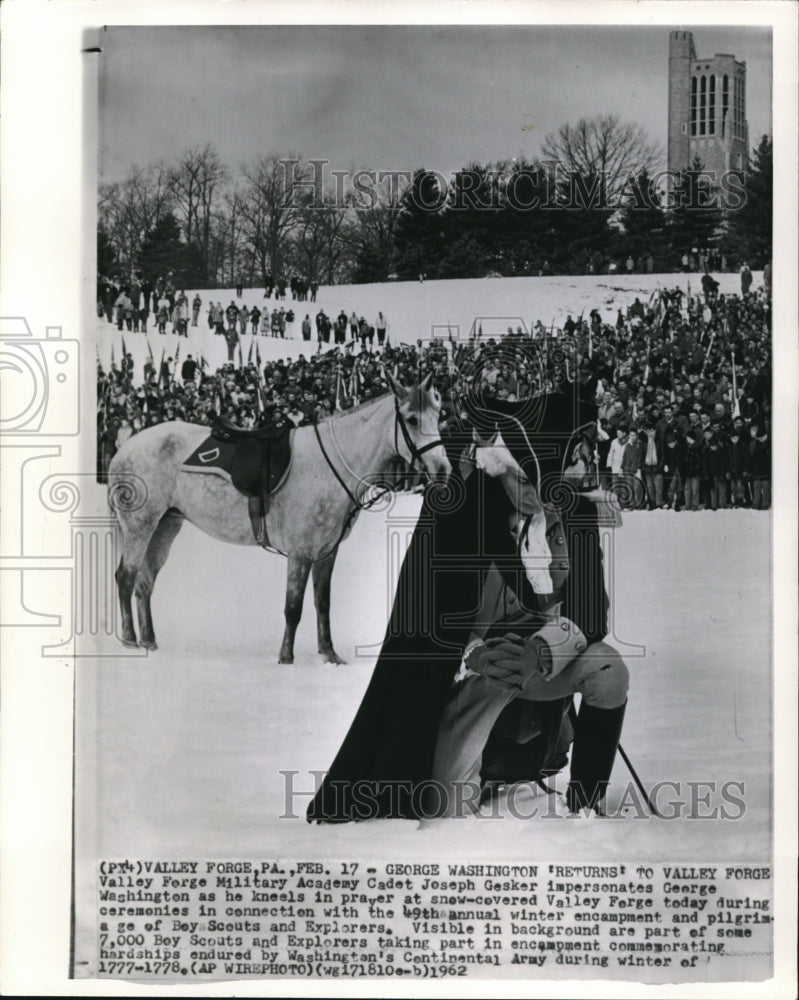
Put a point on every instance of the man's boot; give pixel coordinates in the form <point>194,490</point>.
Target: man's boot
<point>596,740</point>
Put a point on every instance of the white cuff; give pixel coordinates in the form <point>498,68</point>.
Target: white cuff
<point>464,671</point>
<point>566,642</point>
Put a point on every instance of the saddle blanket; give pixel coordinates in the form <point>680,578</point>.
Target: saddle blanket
<point>211,456</point>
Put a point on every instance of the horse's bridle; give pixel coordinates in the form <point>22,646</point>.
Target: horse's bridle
<point>399,424</point>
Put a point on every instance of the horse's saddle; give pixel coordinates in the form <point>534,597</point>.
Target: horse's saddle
<point>261,457</point>
<point>259,465</point>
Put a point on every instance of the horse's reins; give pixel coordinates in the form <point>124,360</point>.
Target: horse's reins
<point>399,422</point>
<point>357,506</point>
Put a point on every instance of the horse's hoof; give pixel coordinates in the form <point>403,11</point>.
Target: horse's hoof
<point>288,660</point>
<point>150,644</point>
<point>330,656</point>
<point>129,643</point>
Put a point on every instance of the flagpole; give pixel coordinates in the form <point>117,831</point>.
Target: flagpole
<point>707,355</point>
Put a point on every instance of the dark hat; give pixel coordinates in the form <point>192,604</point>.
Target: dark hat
<point>540,432</point>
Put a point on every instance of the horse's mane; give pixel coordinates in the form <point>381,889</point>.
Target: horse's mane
<point>362,410</point>
<point>415,392</point>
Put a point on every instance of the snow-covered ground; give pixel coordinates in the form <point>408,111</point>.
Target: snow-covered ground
<point>190,743</point>
<point>415,310</point>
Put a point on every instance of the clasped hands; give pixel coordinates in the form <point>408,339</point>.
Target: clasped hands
<point>510,660</point>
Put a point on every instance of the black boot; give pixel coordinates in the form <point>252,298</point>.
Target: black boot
<point>596,740</point>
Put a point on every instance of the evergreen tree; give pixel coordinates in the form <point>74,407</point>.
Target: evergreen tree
<point>642,218</point>
<point>418,236</point>
<point>525,228</point>
<point>581,223</point>
<point>107,259</point>
<point>163,251</point>
<point>749,235</point>
<point>695,217</point>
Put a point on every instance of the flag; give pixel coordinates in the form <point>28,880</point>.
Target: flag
<point>249,354</point>
<point>258,358</point>
<point>590,342</point>
<point>203,362</point>
<point>480,330</point>
<point>241,357</point>
<point>736,409</point>
<point>124,349</point>
<point>149,348</point>
<point>112,355</point>
<point>355,382</point>
<point>338,388</point>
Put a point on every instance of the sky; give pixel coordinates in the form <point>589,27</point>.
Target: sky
<point>389,98</point>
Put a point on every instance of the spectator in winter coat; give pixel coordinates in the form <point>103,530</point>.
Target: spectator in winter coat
<point>693,469</point>
<point>244,320</point>
<point>673,467</point>
<point>760,468</point>
<point>615,456</point>
<point>631,469</point>
<point>255,319</point>
<point>162,315</point>
<point>738,462</point>
<point>746,279</point>
<point>651,468</point>
<point>381,325</point>
<point>196,306</point>
<point>231,338</point>
<point>715,467</point>
<point>188,369</point>
<point>232,314</point>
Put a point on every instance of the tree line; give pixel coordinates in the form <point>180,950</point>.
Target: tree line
<point>594,196</point>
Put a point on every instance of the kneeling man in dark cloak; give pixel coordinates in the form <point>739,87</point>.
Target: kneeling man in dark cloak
<point>499,619</point>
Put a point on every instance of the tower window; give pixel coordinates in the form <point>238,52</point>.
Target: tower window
<point>693,105</point>
<point>711,107</point>
<point>725,103</point>
<point>702,104</point>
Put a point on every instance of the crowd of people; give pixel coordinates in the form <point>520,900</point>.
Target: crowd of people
<point>682,382</point>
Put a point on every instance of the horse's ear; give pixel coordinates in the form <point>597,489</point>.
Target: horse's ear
<point>399,390</point>
<point>427,382</point>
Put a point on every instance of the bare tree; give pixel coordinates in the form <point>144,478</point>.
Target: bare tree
<point>371,233</point>
<point>603,148</point>
<point>322,238</point>
<point>195,184</point>
<point>270,209</point>
<point>128,210</point>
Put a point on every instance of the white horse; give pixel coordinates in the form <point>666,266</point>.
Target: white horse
<point>309,514</point>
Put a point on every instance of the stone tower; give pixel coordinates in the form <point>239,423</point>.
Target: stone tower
<point>707,109</point>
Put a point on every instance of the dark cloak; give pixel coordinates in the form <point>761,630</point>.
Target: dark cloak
<point>387,756</point>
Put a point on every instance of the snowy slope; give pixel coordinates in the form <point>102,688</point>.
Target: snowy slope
<point>417,310</point>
